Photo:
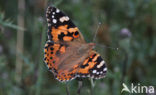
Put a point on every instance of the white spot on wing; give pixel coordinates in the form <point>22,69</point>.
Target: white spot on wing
<point>94,71</point>
<point>64,18</point>
<point>101,72</point>
<point>67,18</point>
<point>48,37</point>
<point>105,69</point>
<point>83,76</point>
<point>57,10</point>
<point>46,15</point>
<point>54,20</point>
<point>48,20</point>
<point>101,64</point>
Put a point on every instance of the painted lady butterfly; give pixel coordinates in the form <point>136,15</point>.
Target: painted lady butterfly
<point>66,53</point>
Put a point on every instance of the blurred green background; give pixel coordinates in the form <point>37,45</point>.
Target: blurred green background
<point>129,25</point>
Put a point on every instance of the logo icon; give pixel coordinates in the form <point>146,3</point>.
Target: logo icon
<point>125,88</point>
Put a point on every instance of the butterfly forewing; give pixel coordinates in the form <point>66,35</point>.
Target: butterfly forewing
<point>60,27</point>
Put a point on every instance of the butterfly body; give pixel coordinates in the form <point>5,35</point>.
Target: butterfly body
<point>67,54</point>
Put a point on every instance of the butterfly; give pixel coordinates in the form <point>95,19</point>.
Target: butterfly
<point>66,53</point>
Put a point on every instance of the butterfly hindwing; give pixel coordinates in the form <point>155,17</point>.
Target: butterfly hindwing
<point>50,57</point>
<point>94,66</point>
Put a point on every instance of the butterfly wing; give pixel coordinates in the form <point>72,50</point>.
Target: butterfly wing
<point>62,34</point>
<point>69,65</point>
<point>93,66</point>
<point>65,61</point>
<point>60,27</point>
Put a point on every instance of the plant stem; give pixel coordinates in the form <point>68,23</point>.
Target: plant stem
<point>79,87</point>
<point>67,89</point>
<point>92,86</point>
<point>20,42</point>
<point>40,70</point>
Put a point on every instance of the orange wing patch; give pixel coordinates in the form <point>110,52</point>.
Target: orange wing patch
<point>63,33</point>
<point>94,66</point>
<point>64,75</point>
<point>60,27</point>
<point>51,51</point>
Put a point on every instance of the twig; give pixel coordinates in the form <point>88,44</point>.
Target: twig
<point>20,42</point>
<point>67,89</point>
<point>92,86</point>
<point>79,87</point>
<point>40,70</point>
<point>124,68</point>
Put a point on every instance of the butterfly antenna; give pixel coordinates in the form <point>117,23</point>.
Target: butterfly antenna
<point>103,46</point>
<point>96,31</point>
<point>99,44</point>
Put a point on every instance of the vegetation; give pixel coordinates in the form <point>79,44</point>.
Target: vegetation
<point>129,25</point>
